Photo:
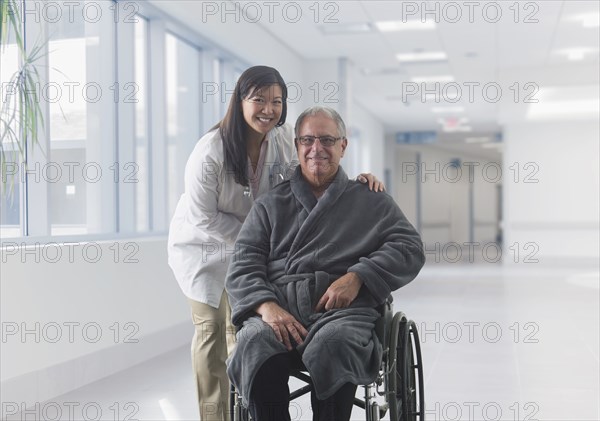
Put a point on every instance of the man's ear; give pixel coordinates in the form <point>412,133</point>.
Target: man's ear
<point>344,145</point>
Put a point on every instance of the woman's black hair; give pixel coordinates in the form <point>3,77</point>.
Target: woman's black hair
<point>233,127</point>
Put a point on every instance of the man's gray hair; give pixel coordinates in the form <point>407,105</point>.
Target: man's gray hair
<point>329,112</point>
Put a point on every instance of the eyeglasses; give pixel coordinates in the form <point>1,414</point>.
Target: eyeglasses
<point>325,140</point>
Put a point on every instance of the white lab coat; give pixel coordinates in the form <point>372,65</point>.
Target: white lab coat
<point>212,209</point>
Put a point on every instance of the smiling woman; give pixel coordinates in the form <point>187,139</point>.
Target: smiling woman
<point>258,105</point>
<point>229,167</point>
<point>262,109</point>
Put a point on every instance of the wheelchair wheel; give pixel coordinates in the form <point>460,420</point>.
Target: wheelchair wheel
<point>406,400</point>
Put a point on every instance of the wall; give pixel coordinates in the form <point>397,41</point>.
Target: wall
<point>73,314</point>
<point>558,208</point>
<point>404,190</point>
<point>371,147</point>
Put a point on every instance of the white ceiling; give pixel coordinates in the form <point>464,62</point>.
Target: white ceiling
<point>505,52</point>
<point>480,51</point>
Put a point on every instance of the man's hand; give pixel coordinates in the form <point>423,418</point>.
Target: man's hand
<point>282,323</point>
<point>341,293</point>
<point>374,183</point>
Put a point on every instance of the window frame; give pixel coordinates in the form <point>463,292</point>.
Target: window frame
<point>118,218</point>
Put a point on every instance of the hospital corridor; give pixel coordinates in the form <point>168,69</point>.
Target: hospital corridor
<point>138,136</point>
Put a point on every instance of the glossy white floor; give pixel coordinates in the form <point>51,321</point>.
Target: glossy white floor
<point>499,343</point>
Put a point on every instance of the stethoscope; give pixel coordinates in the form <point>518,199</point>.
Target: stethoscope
<point>275,172</point>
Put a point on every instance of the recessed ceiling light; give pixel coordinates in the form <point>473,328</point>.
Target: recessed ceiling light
<point>448,109</point>
<point>589,20</point>
<point>424,56</point>
<point>557,109</point>
<point>383,71</point>
<point>348,28</point>
<point>408,25</point>
<point>566,93</point>
<point>577,53</point>
<point>433,79</point>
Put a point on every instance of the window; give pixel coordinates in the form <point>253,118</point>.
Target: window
<point>68,128</point>
<point>10,195</point>
<point>218,80</point>
<point>10,185</point>
<point>123,108</point>
<point>142,185</point>
<point>81,170</point>
<point>183,111</point>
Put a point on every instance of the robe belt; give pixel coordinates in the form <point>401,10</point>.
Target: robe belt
<point>286,279</point>
<point>319,276</point>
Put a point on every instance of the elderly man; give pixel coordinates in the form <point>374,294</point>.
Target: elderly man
<point>314,259</point>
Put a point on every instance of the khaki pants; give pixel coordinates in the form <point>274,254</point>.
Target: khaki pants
<point>213,340</point>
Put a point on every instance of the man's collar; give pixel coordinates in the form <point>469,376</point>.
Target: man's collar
<point>303,190</point>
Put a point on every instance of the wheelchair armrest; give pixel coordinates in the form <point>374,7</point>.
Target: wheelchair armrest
<point>384,323</point>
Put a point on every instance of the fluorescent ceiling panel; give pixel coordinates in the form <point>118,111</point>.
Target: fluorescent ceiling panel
<point>433,79</point>
<point>408,25</point>
<point>558,109</point>
<point>345,29</point>
<point>421,57</point>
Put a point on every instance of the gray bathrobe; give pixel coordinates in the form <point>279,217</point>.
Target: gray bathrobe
<point>290,249</point>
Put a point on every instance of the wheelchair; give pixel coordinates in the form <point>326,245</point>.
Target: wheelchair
<point>399,383</point>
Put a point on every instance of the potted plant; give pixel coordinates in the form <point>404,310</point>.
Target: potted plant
<point>20,114</point>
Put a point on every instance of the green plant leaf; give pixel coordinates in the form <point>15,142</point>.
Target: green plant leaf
<point>21,114</point>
